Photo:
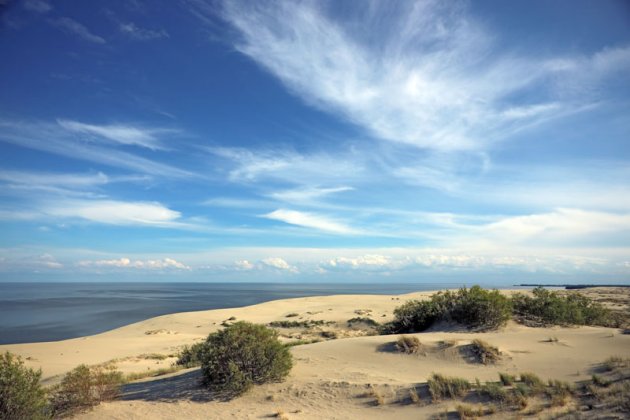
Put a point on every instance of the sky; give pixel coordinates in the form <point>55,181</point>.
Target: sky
<point>323,141</point>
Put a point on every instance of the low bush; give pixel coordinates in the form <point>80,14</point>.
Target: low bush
<point>495,392</point>
<point>547,307</point>
<point>190,356</point>
<point>484,352</point>
<point>243,355</point>
<point>299,324</point>
<point>408,344</point>
<point>533,381</point>
<point>362,320</point>
<point>507,379</point>
<point>474,308</point>
<point>21,395</point>
<point>85,387</point>
<point>447,387</point>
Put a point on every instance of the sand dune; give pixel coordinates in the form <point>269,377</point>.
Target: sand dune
<point>331,379</point>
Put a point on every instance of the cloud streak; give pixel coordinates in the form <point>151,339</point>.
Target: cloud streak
<point>310,220</point>
<point>73,27</point>
<point>434,82</point>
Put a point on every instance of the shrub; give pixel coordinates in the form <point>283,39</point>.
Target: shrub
<point>447,387</point>
<point>469,412</point>
<point>533,381</point>
<point>242,355</point>
<point>408,344</point>
<point>484,352</point>
<point>21,395</point>
<point>85,387</point>
<point>190,356</point>
<point>495,392</point>
<point>548,307</point>
<point>506,378</point>
<point>362,320</point>
<point>474,308</point>
<point>299,324</point>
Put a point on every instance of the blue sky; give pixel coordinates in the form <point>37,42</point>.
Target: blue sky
<point>198,140</point>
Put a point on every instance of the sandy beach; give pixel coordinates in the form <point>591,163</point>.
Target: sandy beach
<point>335,378</point>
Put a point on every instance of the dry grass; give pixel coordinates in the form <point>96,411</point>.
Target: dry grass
<point>466,411</point>
<point>507,379</point>
<point>447,387</point>
<point>409,345</point>
<point>130,377</point>
<point>485,353</point>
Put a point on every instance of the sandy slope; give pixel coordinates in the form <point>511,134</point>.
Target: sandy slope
<point>330,379</point>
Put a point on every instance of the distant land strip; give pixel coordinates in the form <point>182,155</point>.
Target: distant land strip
<point>572,286</point>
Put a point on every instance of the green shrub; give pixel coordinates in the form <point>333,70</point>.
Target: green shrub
<point>21,395</point>
<point>362,320</point>
<point>547,307</point>
<point>495,392</point>
<point>85,387</point>
<point>190,356</point>
<point>506,378</point>
<point>474,308</point>
<point>242,355</point>
<point>299,324</point>
<point>447,387</point>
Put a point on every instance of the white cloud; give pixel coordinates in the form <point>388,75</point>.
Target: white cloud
<point>364,262</point>
<point>149,264</point>
<point>289,166</point>
<point>53,138</point>
<point>560,225</point>
<point>280,264</point>
<point>118,133</point>
<point>310,220</point>
<point>421,73</point>
<point>133,31</point>
<point>307,194</point>
<point>243,265</point>
<point>116,212</point>
<point>74,27</point>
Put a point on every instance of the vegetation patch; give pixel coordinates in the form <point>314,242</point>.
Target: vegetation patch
<point>21,395</point>
<point>547,307</point>
<point>302,342</point>
<point>409,345</point>
<point>474,308</point>
<point>484,353</point>
<point>85,387</point>
<point>441,386</point>
<point>299,324</point>
<point>362,320</point>
<point>242,355</point>
<point>190,356</point>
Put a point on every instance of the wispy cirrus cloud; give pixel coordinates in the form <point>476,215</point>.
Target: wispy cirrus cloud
<point>73,27</point>
<point>434,81</point>
<point>135,32</point>
<point>115,212</point>
<point>57,139</point>
<point>118,133</point>
<point>311,220</point>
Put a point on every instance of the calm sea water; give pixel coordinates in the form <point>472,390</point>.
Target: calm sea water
<point>33,312</point>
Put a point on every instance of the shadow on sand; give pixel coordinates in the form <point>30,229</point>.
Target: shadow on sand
<point>183,386</point>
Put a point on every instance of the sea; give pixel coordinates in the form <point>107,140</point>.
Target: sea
<point>37,312</point>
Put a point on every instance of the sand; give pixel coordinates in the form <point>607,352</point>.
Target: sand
<point>332,379</point>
